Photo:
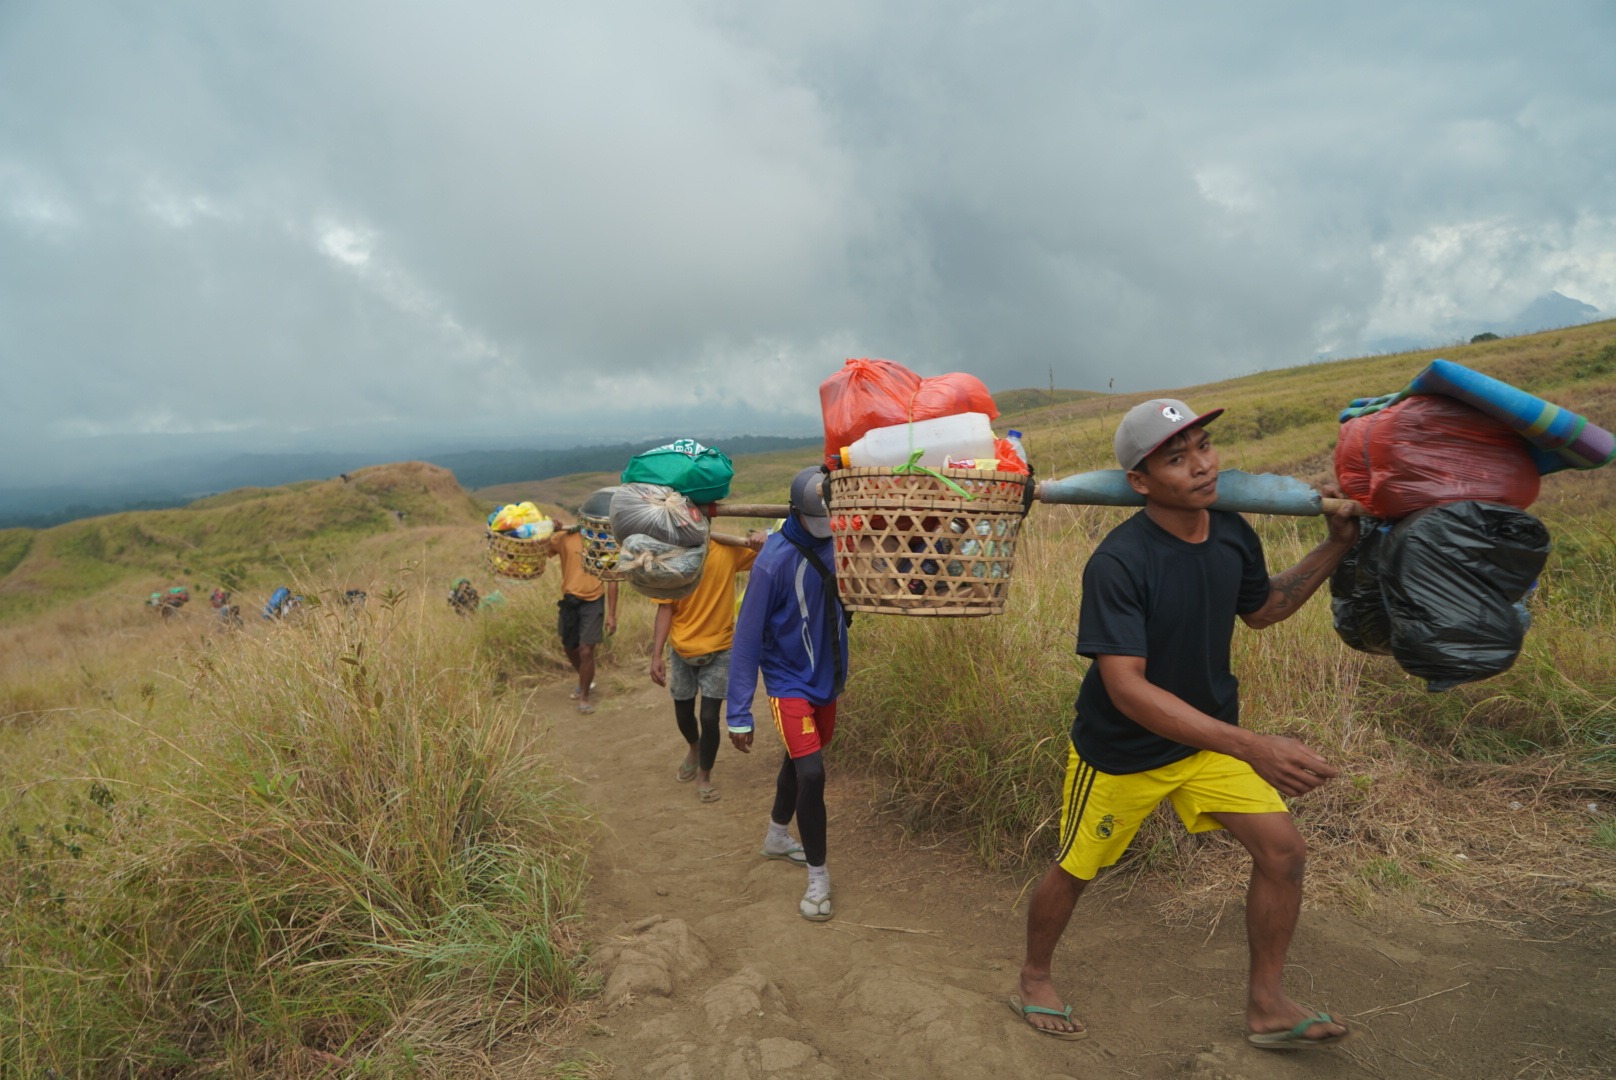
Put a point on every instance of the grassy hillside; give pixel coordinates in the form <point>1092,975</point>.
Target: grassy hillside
<point>1022,401</point>
<point>230,538</point>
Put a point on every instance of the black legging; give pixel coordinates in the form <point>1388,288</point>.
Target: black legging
<point>685,712</point>
<point>800,788</point>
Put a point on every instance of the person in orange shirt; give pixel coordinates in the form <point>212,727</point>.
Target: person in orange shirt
<point>701,628</point>
<point>587,607</point>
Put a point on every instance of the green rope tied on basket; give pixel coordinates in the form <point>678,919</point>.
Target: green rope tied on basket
<point>913,466</point>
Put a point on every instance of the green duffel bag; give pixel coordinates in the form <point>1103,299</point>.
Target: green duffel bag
<point>699,473</point>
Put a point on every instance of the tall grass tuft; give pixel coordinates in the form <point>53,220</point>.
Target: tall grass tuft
<point>341,859</point>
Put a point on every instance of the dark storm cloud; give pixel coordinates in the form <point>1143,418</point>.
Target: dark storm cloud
<point>289,221</point>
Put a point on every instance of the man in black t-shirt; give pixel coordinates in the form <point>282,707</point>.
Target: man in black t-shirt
<point>1158,714</point>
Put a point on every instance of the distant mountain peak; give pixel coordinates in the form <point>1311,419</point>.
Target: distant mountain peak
<point>1551,311</point>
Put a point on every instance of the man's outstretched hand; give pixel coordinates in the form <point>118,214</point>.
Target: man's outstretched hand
<point>1289,765</point>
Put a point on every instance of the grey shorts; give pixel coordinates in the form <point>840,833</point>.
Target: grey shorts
<point>707,674</point>
<point>580,622</point>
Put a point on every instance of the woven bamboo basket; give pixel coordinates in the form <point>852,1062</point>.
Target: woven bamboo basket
<point>908,544</point>
<point>520,559</point>
<point>600,547</point>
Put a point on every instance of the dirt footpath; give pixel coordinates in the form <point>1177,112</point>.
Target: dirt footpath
<point>710,972</point>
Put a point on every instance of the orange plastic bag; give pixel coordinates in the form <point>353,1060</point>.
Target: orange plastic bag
<point>1429,449</point>
<point>1008,459</point>
<point>869,393</point>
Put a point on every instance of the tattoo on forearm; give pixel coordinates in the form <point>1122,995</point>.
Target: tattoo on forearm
<point>1293,587</point>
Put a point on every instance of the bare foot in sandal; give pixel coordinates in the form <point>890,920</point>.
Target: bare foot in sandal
<point>1044,1012</point>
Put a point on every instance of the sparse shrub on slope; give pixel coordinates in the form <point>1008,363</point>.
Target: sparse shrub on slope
<point>348,862</point>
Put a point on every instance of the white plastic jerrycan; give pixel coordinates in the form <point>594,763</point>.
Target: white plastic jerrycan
<point>963,435</point>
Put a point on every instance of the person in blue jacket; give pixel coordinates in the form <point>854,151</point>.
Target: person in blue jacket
<point>792,626</point>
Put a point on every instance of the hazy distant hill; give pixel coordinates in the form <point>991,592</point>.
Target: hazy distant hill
<point>1551,311</point>
<point>1548,312</point>
<point>489,468</point>
<point>177,482</point>
<point>225,537</point>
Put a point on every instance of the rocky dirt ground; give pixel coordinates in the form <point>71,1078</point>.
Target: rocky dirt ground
<point>710,973</point>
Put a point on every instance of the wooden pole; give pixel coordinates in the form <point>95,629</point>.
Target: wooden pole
<point>729,539</point>
<point>751,510</point>
<point>1300,498</point>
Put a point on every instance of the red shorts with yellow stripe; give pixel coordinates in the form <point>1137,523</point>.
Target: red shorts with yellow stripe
<point>1100,812</point>
<point>803,726</point>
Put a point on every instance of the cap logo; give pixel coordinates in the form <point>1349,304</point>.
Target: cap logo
<point>1173,415</point>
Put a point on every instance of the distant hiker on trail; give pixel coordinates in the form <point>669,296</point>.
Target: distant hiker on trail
<point>702,629</point>
<point>228,614</point>
<point>1158,714</point>
<point>169,601</point>
<point>792,626</point>
<point>463,597</point>
<point>282,604</point>
<point>587,611</point>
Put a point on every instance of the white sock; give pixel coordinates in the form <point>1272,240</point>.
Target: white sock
<point>778,834</point>
<point>818,882</point>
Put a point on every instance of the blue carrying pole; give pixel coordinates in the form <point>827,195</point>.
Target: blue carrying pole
<point>1242,492</point>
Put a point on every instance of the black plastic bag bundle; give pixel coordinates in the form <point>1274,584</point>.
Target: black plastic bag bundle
<point>1356,600</point>
<point>1453,576</point>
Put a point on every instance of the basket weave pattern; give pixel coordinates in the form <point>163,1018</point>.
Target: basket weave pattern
<point>600,548</point>
<point>520,559</point>
<point>907,543</point>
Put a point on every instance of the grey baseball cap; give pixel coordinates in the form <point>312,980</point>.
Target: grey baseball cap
<point>1151,423</point>
<point>808,500</point>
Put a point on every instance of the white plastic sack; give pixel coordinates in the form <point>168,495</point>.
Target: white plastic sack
<point>660,513</point>
<point>660,571</point>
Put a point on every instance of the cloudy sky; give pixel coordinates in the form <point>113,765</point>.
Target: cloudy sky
<point>295,223</point>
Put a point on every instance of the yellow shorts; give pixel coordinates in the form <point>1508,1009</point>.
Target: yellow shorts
<point>1100,812</point>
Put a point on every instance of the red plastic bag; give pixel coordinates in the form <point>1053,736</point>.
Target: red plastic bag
<point>869,393</point>
<point>1429,449</point>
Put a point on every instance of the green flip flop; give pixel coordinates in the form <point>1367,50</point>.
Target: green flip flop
<point>1027,1012</point>
<point>1296,1038</point>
